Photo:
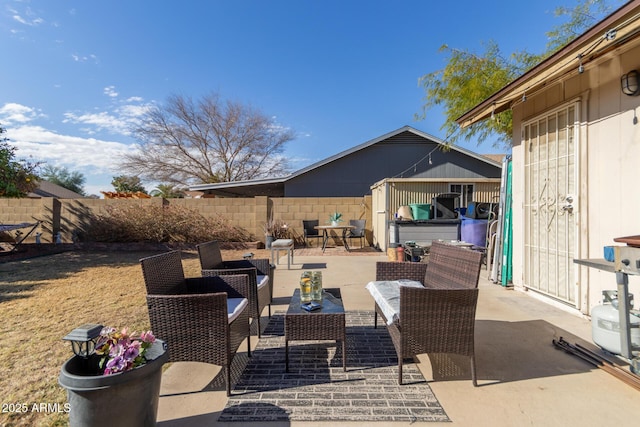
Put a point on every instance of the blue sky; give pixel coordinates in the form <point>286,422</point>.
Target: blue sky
<point>76,74</point>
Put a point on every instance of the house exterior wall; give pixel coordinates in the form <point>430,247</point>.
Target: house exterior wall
<point>607,159</point>
<point>353,175</point>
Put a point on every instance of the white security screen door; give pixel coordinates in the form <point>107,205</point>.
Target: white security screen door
<point>550,198</point>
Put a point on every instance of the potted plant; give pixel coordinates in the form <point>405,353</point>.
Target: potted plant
<point>269,228</point>
<point>274,229</point>
<point>114,377</point>
<point>335,218</point>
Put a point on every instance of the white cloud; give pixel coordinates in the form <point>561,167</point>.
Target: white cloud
<point>26,17</point>
<point>102,120</point>
<point>118,121</point>
<point>77,153</point>
<point>85,58</point>
<point>133,112</point>
<point>88,155</point>
<point>110,91</point>
<point>26,21</point>
<point>98,159</point>
<point>11,113</point>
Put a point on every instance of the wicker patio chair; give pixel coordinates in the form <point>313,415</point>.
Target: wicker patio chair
<point>440,317</point>
<point>203,319</point>
<point>258,270</point>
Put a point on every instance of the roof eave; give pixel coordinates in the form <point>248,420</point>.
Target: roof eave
<point>550,68</point>
<point>222,185</point>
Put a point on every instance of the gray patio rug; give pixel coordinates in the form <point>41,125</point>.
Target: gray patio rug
<point>317,389</point>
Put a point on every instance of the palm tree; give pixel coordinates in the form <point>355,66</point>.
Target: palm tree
<point>168,191</point>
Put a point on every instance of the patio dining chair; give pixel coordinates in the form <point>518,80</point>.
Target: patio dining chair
<point>202,319</point>
<point>309,231</point>
<point>358,231</point>
<point>259,270</point>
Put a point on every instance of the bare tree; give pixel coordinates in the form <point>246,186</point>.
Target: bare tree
<point>186,142</point>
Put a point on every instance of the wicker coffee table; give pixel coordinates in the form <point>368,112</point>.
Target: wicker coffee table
<point>327,323</point>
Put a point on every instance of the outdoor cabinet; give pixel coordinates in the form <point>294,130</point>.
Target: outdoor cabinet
<point>425,231</point>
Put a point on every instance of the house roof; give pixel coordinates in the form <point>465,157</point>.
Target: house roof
<point>49,189</point>
<point>385,137</point>
<point>248,188</point>
<point>611,33</point>
<point>274,186</point>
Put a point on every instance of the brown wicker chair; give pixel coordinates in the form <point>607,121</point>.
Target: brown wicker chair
<point>439,318</point>
<point>212,264</point>
<point>191,314</point>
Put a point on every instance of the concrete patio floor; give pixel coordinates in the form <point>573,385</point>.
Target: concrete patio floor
<point>523,379</point>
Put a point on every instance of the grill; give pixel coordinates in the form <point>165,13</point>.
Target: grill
<point>613,321</point>
<point>626,261</point>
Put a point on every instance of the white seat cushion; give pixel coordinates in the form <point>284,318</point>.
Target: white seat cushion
<point>387,295</point>
<point>235,307</point>
<point>262,281</point>
<point>282,243</point>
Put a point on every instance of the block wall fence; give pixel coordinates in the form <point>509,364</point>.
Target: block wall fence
<point>69,216</point>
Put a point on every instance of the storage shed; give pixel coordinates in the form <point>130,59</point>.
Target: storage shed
<point>388,195</point>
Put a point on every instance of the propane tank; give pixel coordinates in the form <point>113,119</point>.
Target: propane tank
<point>605,324</point>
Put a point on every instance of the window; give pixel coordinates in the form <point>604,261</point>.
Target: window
<point>465,191</point>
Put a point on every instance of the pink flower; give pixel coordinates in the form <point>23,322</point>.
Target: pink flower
<point>122,351</point>
<point>117,364</point>
<point>148,337</point>
<point>131,352</point>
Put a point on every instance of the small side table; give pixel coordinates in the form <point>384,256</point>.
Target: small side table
<point>282,245</point>
<point>327,323</point>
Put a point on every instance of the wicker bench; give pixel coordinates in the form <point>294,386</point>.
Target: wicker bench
<point>433,311</point>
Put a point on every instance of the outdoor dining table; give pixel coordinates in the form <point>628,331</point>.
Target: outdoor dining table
<point>325,234</point>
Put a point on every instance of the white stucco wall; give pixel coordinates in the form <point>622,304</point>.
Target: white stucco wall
<point>608,159</point>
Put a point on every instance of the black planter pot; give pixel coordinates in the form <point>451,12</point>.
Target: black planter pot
<point>124,399</point>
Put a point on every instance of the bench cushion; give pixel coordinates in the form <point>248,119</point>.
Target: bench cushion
<point>282,243</point>
<point>235,307</point>
<point>387,295</point>
<point>262,281</point>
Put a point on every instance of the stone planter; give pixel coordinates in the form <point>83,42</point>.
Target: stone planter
<point>124,399</point>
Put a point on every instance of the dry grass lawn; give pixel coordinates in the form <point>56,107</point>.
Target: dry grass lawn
<point>42,299</point>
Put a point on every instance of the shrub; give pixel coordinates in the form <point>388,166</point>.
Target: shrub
<point>160,224</point>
